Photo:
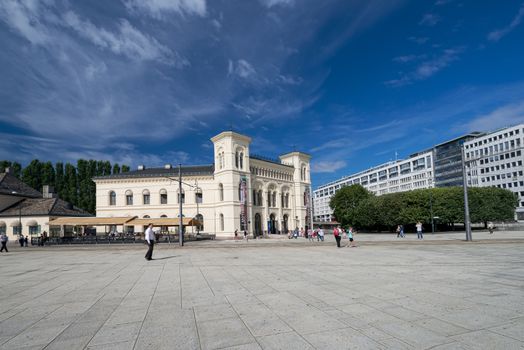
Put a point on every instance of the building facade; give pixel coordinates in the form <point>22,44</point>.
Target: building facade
<point>25,211</point>
<point>240,191</point>
<point>496,159</point>
<point>448,161</point>
<point>416,172</point>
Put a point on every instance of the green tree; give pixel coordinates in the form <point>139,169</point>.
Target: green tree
<point>125,168</point>
<point>59,179</point>
<point>70,184</point>
<point>32,174</point>
<point>48,174</point>
<point>345,203</point>
<point>116,169</point>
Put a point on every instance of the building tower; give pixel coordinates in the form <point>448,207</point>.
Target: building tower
<point>232,209</point>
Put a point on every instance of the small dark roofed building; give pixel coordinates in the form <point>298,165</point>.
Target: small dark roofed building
<point>26,211</point>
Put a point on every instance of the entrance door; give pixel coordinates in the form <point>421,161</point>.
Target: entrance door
<point>273,224</point>
<point>258,225</point>
<point>285,228</point>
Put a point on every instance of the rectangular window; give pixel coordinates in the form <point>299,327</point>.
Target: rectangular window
<point>147,199</point>
<point>199,197</point>
<point>129,199</point>
<point>163,198</point>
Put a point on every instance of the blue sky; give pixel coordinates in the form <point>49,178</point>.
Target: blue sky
<point>350,82</point>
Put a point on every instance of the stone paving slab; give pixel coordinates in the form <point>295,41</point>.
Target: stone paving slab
<point>307,296</point>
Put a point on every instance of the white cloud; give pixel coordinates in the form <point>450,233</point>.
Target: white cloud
<point>418,40</point>
<point>159,8</point>
<point>408,58</point>
<point>242,68</point>
<point>427,68</point>
<point>23,17</point>
<point>128,41</point>
<point>271,3</point>
<point>327,166</point>
<point>496,35</point>
<point>429,19</point>
<point>504,116</point>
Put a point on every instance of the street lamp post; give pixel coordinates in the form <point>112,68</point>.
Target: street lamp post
<point>466,204</point>
<point>181,222</point>
<point>431,210</point>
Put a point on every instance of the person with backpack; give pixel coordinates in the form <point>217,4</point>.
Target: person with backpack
<point>336,233</point>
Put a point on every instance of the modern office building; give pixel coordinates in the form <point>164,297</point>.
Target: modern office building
<point>238,191</point>
<point>496,159</point>
<point>416,172</point>
<point>448,160</point>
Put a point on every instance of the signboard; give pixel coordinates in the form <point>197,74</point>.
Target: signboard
<point>243,203</point>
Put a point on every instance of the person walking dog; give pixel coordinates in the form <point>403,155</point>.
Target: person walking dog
<point>150,239</point>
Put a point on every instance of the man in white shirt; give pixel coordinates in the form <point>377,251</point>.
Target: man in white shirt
<point>150,239</point>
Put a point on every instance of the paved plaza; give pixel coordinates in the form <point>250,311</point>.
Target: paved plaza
<point>439,293</point>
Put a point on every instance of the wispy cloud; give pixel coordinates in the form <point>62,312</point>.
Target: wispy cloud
<point>271,3</point>
<point>327,166</point>
<point>504,116</point>
<point>418,40</point>
<point>128,41</point>
<point>430,20</point>
<point>160,9</point>
<point>408,58</point>
<point>428,68</point>
<point>498,34</point>
<point>442,2</point>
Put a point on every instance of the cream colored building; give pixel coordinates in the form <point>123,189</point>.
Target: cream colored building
<point>239,191</point>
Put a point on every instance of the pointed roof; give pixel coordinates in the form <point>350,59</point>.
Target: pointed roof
<point>13,186</point>
<point>43,207</point>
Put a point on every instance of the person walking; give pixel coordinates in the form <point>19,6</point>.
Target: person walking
<point>26,240</point>
<point>321,234</point>
<point>491,227</point>
<point>336,234</point>
<point>245,235</point>
<point>350,238</point>
<point>3,240</point>
<point>310,235</point>
<point>398,231</point>
<point>21,240</point>
<point>150,239</point>
<point>419,230</point>
<point>402,235</point>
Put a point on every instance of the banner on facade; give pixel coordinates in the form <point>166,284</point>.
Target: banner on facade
<point>243,203</point>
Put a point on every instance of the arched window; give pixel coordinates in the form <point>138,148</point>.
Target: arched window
<point>259,195</point>
<point>241,160</point>
<point>221,192</point>
<point>163,196</point>
<point>305,198</point>
<point>274,199</point>
<point>236,159</point>
<point>282,200</point>
<point>198,195</point>
<point>200,219</point>
<point>163,216</point>
<point>255,197</point>
<point>287,200</point>
<point>146,199</point>
<point>221,222</point>
<point>129,197</point>
<point>146,217</point>
<point>181,197</point>
<point>112,198</point>
<point>223,160</point>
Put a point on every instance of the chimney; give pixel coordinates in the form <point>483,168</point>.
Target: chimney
<point>48,192</point>
<point>141,167</point>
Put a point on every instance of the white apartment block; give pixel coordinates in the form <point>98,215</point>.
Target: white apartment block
<point>416,172</point>
<point>496,159</point>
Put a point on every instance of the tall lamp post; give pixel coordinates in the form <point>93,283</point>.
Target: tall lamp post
<point>197,191</point>
<point>466,203</point>
<point>181,222</point>
<point>431,211</point>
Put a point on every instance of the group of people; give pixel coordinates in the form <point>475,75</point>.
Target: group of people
<point>246,236</point>
<point>400,231</point>
<point>339,233</point>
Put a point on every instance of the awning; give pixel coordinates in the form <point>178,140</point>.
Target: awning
<point>163,222</point>
<point>90,221</point>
